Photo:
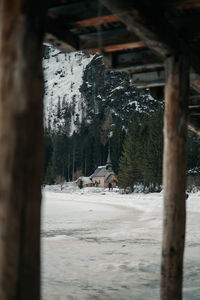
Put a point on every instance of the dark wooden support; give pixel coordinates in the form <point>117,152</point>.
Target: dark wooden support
<point>21,151</point>
<point>195,81</point>
<point>174,174</point>
<point>194,101</point>
<point>139,60</point>
<point>151,26</point>
<point>107,38</point>
<point>98,21</point>
<point>149,79</point>
<point>115,47</point>
<point>77,10</point>
<point>186,4</point>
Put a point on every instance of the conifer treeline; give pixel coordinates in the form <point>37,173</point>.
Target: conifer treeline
<point>141,159</point>
<point>80,154</point>
<point>114,110</point>
<point>136,153</point>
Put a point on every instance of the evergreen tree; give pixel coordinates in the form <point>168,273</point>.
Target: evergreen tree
<point>193,154</point>
<point>129,172</point>
<point>151,149</point>
<point>116,143</point>
<point>141,160</point>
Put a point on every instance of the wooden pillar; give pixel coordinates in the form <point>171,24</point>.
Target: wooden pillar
<point>174,176</point>
<point>21,147</point>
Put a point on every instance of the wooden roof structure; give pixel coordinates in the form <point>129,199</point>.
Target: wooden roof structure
<point>158,43</point>
<point>134,37</point>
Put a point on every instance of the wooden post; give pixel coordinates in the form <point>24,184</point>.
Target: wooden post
<point>21,147</point>
<point>174,174</point>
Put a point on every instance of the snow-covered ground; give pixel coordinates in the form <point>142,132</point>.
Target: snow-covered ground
<point>100,245</point>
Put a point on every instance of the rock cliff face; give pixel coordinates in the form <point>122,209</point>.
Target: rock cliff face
<point>64,105</point>
<point>87,107</point>
<point>79,87</point>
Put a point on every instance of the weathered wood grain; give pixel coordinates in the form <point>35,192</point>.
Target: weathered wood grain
<point>98,21</point>
<point>107,38</point>
<point>21,151</point>
<point>151,26</point>
<point>174,176</point>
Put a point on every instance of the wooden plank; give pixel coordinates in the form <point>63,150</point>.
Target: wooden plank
<point>138,60</point>
<point>187,25</point>
<point>194,101</point>
<point>195,82</point>
<point>21,151</point>
<point>157,78</point>
<point>186,5</point>
<point>79,10</point>
<point>174,176</point>
<point>194,110</point>
<point>115,47</point>
<point>148,23</point>
<point>145,68</point>
<point>194,124</point>
<point>107,38</point>
<point>147,20</point>
<point>54,3</point>
<point>98,21</point>
<point>149,79</point>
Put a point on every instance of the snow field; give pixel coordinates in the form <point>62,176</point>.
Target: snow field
<point>102,245</point>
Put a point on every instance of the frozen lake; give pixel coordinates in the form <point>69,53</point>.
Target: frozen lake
<point>106,246</point>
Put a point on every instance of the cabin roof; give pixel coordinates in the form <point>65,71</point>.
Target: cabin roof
<point>85,180</point>
<point>109,177</point>
<point>101,172</point>
<point>134,36</point>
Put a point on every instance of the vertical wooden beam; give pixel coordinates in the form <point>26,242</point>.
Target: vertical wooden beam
<point>174,174</point>
<point>21,150</point>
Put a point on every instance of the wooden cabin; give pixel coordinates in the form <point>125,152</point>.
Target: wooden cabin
<point>83,181</point>
<point>157,43</point>
<point>103,175</point>
<point>193,179</point>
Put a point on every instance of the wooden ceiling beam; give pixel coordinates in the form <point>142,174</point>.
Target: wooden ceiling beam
<point>98,21</point>
<point>115,47</point>
<point>194,111</point>
<point>194,101</point>
<point>147,20</point>
<point>186,5</point>
<point>142,58</point>
<point>53,3</point>
<point>79,10</point>
<point>187,26</point>
<point>157,78</point>
<point>144,68</point>
<point>194,123</point>
<point>195,81</point>
<point>148,79</point>
<point>107,38</point>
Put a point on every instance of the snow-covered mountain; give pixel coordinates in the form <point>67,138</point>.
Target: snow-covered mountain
<point>63,74</point>
<point>79,86</point>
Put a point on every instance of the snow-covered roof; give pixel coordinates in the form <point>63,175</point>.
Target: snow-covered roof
<point>194,171</point>
<point>85,180</point>
<point>109,177</point>
<point>101,172</point>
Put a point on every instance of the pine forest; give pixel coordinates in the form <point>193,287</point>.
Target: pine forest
<point>105,112</point>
